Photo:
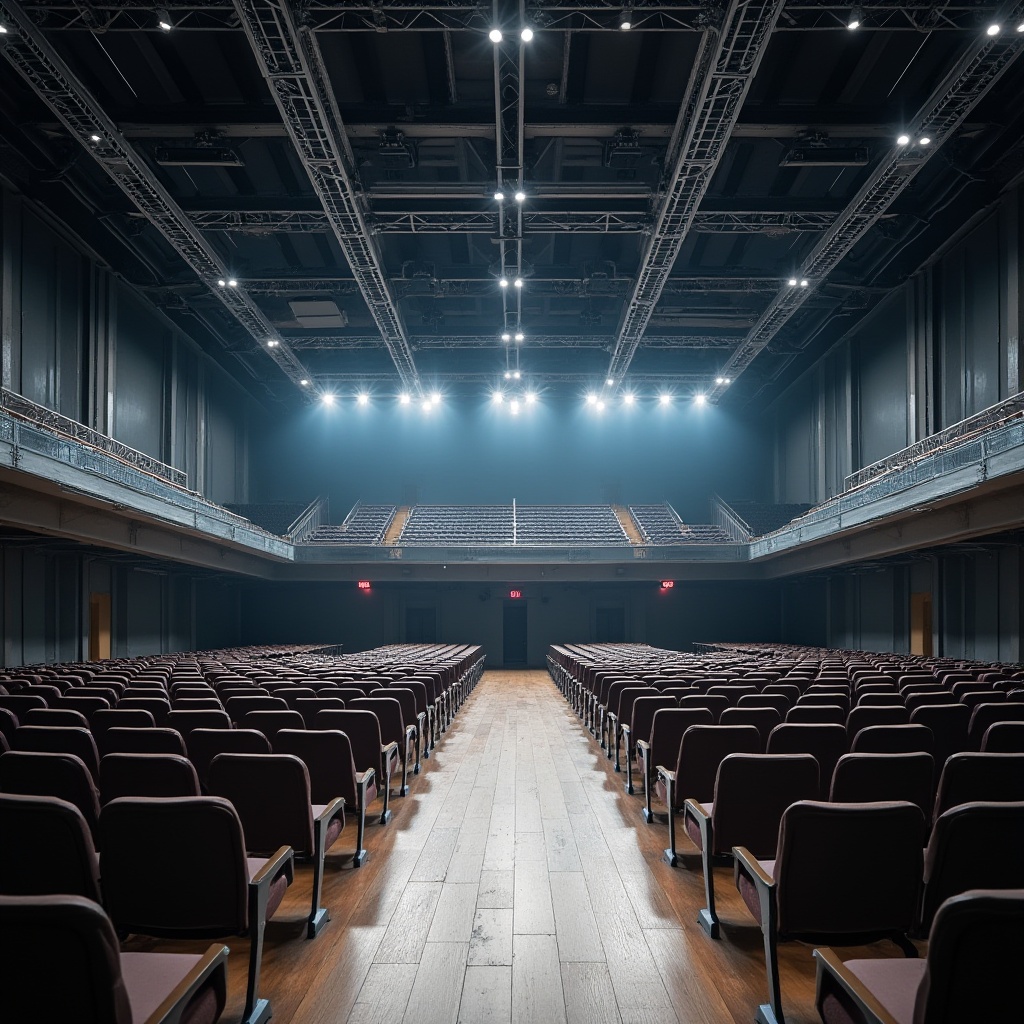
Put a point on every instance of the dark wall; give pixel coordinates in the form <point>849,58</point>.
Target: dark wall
<point>471,452</point>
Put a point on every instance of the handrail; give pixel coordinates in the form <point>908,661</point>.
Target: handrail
<point>38,415</point>
<point>726,518</point>
<point>309,520</point>
<point>994,415</point>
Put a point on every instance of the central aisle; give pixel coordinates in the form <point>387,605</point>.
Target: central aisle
<point>519,883</point>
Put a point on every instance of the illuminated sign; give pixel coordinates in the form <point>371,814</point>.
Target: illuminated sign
<point>363,584</point>
<point>515,594</point>
<point>667,584</point>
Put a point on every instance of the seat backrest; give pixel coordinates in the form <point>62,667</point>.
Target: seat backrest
<point>702,751</point>
<point>237,707</point>
<point>611,698</point>
<point>752,791</point>
<point>791,691</point>
<point>363,731</point>
<point>973,846</point>
<point>59,739</point>
<point>419,691</point>
<point>43,773</point>
<point>290,694</point>
<point>271,794</point>
<point>406,698</point>
<point>193,882</point>
<point>156,706</point>
<point>642,718</point>
<point>893,739</point>
<point>20,703</point>
<point>825,743</point>
<point>152,775</point>
<point>913,701</point>
<point>880,699</point>
<point>762,719</point>
<point>715,703</point>
<point>824,699</point>
<point>143,741</point>
<point>270,723</point>
<point>948,723</point>
<point>309,707</point>
<point>47,848</point>
<point>870,778</point>
<point>186,721</point>
<point>731,692</point>
<point>862,717</point>
<point>66,936</point>
<point>975,950</point>
<point>87,705</point>
<point>985,715</point>
<point>969,777</point>
<point>780,702</point>
<point>55,716</point>
<point>668,728</point>
<point>813,714</point>
<point>1004,738</point>
<point>389,716</point>
<point>327,755</point>
<point>188,703</point>
<point>628,696</point>
<point>824,886</point>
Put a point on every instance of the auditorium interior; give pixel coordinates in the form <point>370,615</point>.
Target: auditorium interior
<point>596,378</point>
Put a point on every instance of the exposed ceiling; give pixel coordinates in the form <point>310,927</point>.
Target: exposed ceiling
<point>339,162</point>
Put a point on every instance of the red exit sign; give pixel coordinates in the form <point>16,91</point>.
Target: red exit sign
<point>667,584</point>
<point>515,594</point>
<point>363,584</point>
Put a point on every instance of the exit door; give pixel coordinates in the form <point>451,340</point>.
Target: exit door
<point>610,626</point>
<point>421,625</point>
<point>513,642</point>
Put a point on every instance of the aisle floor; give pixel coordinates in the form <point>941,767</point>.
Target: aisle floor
<point>518,882</point>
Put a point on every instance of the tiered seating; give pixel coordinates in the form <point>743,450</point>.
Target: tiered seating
<point>568,525</point>
<point>704,533</point>
<point>366,524</point>
<point>762,517</point>
<point>274,517</point>
<point>658,523</point>
<point>441,525</point>
<point>745,740</point>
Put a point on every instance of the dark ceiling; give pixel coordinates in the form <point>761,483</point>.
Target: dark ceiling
<point>339,161</point>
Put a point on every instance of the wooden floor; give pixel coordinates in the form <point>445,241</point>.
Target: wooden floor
<point>517,882</point>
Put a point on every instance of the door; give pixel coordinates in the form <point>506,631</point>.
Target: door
<point>921,624</point>
<point>610,626</point>
<point>99,627</point>
<point>513,643</point>
<point>421,625</point>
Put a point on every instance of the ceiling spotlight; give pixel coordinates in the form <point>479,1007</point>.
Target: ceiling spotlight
<point>494,35</point>
<point>626,19</point>
<point>516,375</point>
<point>435,397</point>
<point>304,383</point>
<point>600,406</point>
<point>503,282</point>
<point>803,282</point>
<point>719,380</point>
<point>700,399</point>
<point>506,337</point>
<point>728,380</point>
<point>792,282</point>
<point>526,35</point>
<point>497,397</point>
<point>1020,27</point>
<point>327,398</point>
<point>665,399</point>
<point>903,140</point>
<point>499,196</point>
<point>530,397</point>
<point>404,398</point>
<point>591,398</point>
<point>3,30</point>
<point>520,196</point>
<point>855,19</point>
<point>520,335</point>
<point>518,282</point>
<point>628,398</point>
<point>508,375</point>
<point>221,282</point>
<point>993,29</point>
<point>232,283</point>
<point>427,405</point>
<point>272,343</point>
<point>610,381</point>
<point>163,20</point>
<point>925,140</point>
<point>363,398</point>
<point>95,138</point>
<point>514,406</point>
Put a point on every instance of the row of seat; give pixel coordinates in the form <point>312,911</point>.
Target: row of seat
<point>791,806</point>
<point>365,524</point>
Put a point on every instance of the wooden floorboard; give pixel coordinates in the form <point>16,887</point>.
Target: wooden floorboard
<point>516,883</point>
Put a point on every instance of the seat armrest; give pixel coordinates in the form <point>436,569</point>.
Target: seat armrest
<point>331,810</point>
<point>624,729</point>
<point>872,1010</point>
<point>283,858</point>
<point>664,773</point>
<point>643,745</point>
<point>745,859</point>
<point>410,731</point>
<point>363,779</point>
<point>387,749</point>
<point>172,1008</point>
<point>696,810</point>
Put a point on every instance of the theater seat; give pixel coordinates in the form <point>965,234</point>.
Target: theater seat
<point>62,963</point>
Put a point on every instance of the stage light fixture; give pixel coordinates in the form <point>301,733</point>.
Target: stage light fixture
<point>792,282</point>
<point>628,398</point>
<point>610,381</point>
<point>520,196</point>
<point>499,196</point>
<point>95,138</point>
<point>435,397</point>
<point>303,383</point>
<point>495,35</point>
<point>527,34</point>
<point>856,19</point>
<point>700,399</point>
<point>272,343</point>
<point>1020,27</point>
<point>221,282</point>
<point>903,140</point>
<point>516,375</point>
<point>664,399</point>
<point>591,398</point>
<point>925,140</point>
<point>327,398</point>
<point>518,282</point>
<point>514,406</point>
<point>506,337</point>
<point>163,20</point>
<point>519,335</point>
<point>503,282</point>
<point>3,30</point>
<point>804,282</point>
<point>600,406</point>
<point>993,29</point>
<point>427,405</point>
<point>363,398</point>
<point>626,19</point>
<point>508,375</point>
<point>404,398</point>
<point>719,380</point>
<point>530,397</point>
<point>497,397</point>
<point>232,283</point>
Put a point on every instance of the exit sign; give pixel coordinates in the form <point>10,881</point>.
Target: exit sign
<point>515,594</point>
<point>363,584</point>
<point>667,584</point>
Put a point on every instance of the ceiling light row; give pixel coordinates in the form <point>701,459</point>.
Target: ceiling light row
<point>496,35</point>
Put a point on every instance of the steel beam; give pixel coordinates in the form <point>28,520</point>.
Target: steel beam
<point>728,60</point>
<point>330,342</point>
<point>292,65</point>
<point>965,84</point>
<point>596,16</point>
<point>32,56</point>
